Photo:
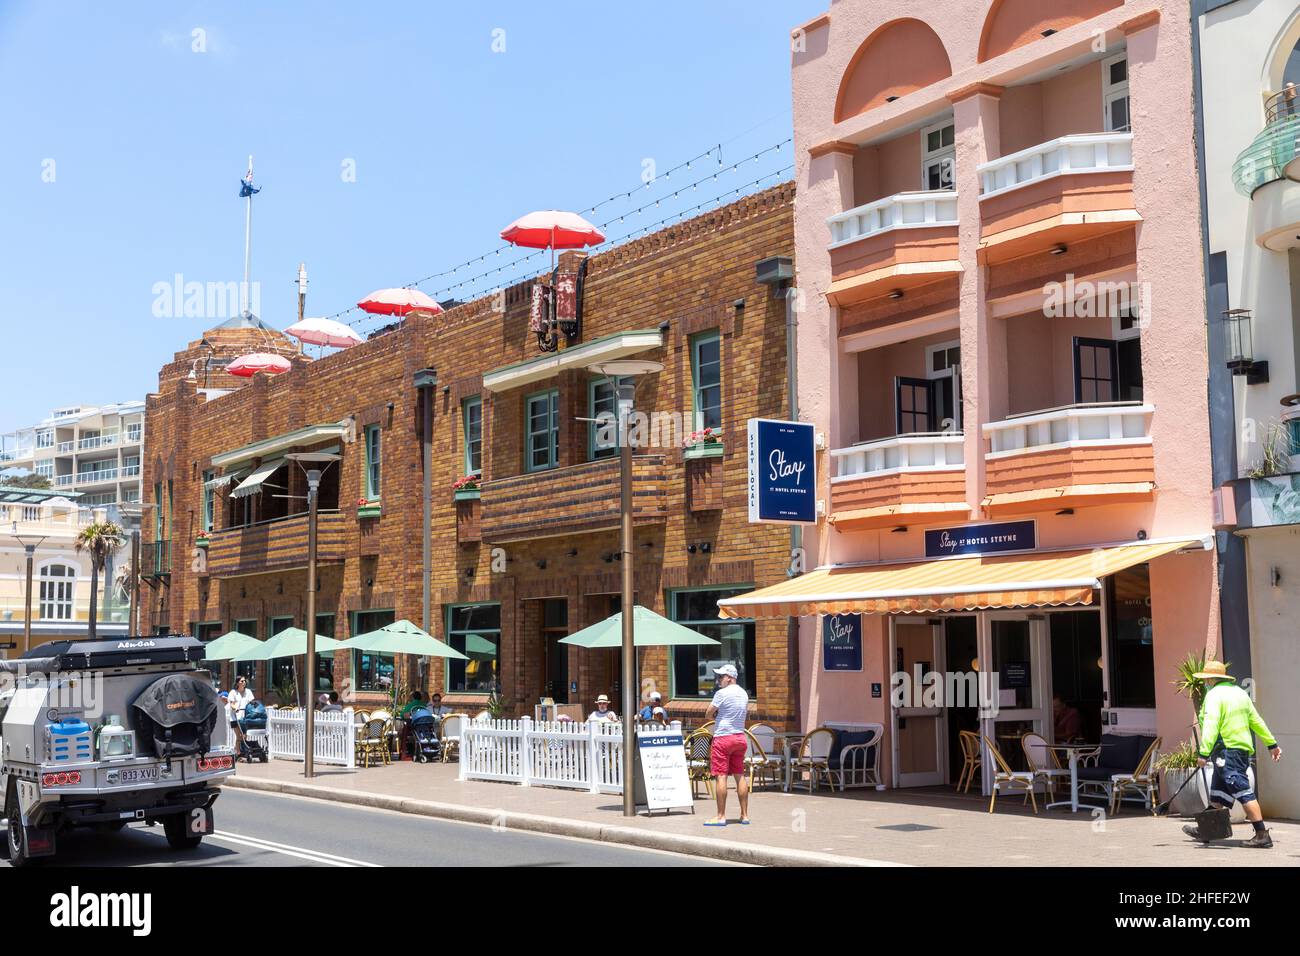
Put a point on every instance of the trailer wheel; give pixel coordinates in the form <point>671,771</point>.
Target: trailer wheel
<point>16,839</point>
<point>178,835</point>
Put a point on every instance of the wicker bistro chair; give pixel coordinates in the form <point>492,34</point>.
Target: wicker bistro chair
<point>449,733</point>
<point>773,754</point>
<point>971,759</point>
<point>372,741</point>
<point>1024,780</point>
<point>814,757</point>
<point>1143,781</point>
<point>757,764</point>
<point>1040,757</point>
<point>699,751</point>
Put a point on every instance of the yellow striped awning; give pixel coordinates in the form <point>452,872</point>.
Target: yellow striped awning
<point>951,584</point>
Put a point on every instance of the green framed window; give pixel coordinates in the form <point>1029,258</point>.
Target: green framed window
<point>247,669</point>
<point>471,416</point>
<point>706,378</point>
<point>371,671</point>
<point>374,453</point>
<point>602,404</point>
<point>209,500</point>
<point>475,631</point>
<point>692,670</point>
<point>542,427</point>
<point>207,630</point>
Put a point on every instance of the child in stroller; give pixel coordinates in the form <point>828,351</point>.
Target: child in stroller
<point>254,718</point>
<point>422,735</point>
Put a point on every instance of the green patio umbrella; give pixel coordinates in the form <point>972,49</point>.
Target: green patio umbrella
<point>225,647</point>
<point>402,637</point>
<point>291,642</point>
<point>648,630</point>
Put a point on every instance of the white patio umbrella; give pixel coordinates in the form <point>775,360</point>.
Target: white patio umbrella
<point>324,332</point>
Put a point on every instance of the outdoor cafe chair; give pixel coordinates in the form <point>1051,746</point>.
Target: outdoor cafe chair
<point>699,751</point>
<point>449,732</point>
<point>814,757</point>
<point>971,759</point>
<point>1141,781</point>
<point>1040,757</point>
<point>757,763</point>
<point>1024,780</point>
<point>774,763</point>
<point>372,741</point>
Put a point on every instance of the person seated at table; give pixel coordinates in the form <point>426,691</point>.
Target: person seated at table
<point>1068,721</point>
<point>329,703</point>
<point>438,708</point>
<point>654,709</point>
<point>415,703</point>
<point>602,711</point>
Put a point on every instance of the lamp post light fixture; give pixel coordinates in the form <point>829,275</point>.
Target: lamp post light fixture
<point>30,543</point>
<point>1240,352</point>
<point>314,463</point>
<point>623,373</point>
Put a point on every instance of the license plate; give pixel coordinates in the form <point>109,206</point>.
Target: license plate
<point>138,775</point>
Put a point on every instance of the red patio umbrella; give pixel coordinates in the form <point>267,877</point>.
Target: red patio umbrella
<point>552,229</point>
<point>246,366</point>
<point>324,332</point>
<point>398,302</point>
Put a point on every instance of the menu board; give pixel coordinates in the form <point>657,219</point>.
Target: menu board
<point>662,782</point>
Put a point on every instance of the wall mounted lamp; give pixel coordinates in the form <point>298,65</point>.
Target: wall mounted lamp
<point>1239,348</point>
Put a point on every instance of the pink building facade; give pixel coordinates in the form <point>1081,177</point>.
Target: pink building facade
<point>1001,336</point>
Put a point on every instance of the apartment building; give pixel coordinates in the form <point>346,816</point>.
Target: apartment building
<point>528,551</point>
<point>49,522</point>
<point>1249,56</point>
<point>94,451</point>
<point>1002,339</point>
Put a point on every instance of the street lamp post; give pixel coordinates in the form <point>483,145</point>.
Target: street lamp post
<point>314,464</point>
<point>623,375</point>
<point>29,547</point>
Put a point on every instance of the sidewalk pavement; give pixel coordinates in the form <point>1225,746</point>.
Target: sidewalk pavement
<point>856,828</point>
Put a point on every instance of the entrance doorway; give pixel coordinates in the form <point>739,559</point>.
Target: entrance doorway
<point>555,626</point>
<point>916,650</point>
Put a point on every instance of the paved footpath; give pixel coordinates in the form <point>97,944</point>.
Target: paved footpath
<point>859,827</point>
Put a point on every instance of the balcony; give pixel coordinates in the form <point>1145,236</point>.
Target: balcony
<point>1069,457</point>
<point>97,441</point>
<point>96,477</point>
<point>65,447</point>
<point>1061,191</point>
<point>1277,145</point>
<point>897,242</point>
<point>64,481</point>
<point>276,545</point>
<point>574,500</point>
<point>156,559</point>
<point>905,479</point>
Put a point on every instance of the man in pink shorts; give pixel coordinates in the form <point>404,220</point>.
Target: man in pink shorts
<point>727,758</point>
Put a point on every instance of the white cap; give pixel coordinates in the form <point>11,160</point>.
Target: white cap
<point>727,670</point>
<point>655,695</point>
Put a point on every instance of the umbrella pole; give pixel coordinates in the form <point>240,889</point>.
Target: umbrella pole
<point>628,599</point>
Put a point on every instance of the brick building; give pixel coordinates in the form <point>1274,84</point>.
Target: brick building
<point>533,555</point>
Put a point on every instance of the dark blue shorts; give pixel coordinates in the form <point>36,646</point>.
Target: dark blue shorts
<point>1230,782</point>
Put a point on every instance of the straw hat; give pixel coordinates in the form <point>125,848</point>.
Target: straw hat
<point>1216,670</point>
<point>603,699</point>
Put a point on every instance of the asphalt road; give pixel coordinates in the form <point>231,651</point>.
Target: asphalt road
<point>263,829</point>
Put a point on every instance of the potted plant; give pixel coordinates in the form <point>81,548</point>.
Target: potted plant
<point>705,443</point>
<point>367,508</point>
<point>1177,766</point>
<point>201,539</point>
<point>466,488</point>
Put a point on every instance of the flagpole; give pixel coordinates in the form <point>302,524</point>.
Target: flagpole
<point>248,239</point>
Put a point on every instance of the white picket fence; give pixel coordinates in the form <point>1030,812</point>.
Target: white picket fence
<point>334,731</point>
<point>579,756</point>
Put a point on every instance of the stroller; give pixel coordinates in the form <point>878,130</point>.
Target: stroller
<point>422,735</point>
<point>254,719</point>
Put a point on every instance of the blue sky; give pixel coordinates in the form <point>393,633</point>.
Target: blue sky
<point>124,145</point>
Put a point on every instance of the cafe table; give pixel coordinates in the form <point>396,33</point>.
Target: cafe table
<point>789,739</point>
<point>1073,751</point>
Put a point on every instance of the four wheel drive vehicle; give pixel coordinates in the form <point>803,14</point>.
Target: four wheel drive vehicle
<point>101,733</point>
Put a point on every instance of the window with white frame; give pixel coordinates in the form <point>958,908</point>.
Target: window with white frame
<point>938,156</point>
<point>58,584</point>
<point>472,421</point>
<point>603,407</point>
<point>1114,94</point>
<point>45,469</point>
<point>45,439</point>
<point>706,373</point>
<point>542,421</point>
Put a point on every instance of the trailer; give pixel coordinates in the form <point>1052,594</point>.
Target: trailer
<point>99,734</point>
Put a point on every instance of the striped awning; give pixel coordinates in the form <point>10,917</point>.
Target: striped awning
<point>212,484</point>
<point>253,483</point>
<point>1047,578</point>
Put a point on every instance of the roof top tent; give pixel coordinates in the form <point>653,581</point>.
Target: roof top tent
<point>109,653</point>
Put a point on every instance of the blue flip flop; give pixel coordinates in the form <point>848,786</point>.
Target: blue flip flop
<point>744,823</point>
<point>715,823</point>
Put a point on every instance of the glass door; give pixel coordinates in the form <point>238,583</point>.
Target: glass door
<point>1012,648</point>
<point>917,717</point>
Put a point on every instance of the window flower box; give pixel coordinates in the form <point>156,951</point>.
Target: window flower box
<point>368,509</point>
<point>201,541</point>
<point>466,488</point>
<point>702,444</point>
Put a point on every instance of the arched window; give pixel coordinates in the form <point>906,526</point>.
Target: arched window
<point>58,585</point>
<point>1291,72</point>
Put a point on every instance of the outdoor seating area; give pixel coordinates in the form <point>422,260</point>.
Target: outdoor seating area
<point>1122,767</point>
<point>841,757</point>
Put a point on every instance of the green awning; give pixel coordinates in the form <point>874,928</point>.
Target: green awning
<point>253,483</point>
<point>648,630</point>
<point>222,480</point>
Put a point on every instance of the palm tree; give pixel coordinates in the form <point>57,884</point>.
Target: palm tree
<point>99,539</point>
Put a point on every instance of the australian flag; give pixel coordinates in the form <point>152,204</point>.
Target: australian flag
<point>246,187</point>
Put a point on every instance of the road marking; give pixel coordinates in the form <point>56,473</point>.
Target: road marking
<point>315,856</point>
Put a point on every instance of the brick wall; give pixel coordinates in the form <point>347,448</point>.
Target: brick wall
<point>690,276</point>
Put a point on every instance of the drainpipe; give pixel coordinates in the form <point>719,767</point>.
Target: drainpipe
<point>426,380</point>
<point>777,273</point>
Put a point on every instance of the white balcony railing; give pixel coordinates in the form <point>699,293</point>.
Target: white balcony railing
<point>931,451</point>
<point>911,210</point>
<point>95,477</point>
<point>1119,423</point>
<point>133,435</point>
<point>98,441</point>
<point>65,447</point>
<point>1080,153</point>
<point>130,471</point>
<point>62,481</point>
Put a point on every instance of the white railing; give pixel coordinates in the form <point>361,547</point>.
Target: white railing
<point>1080,153</point>
<point>1120,423</point>
<point>64,447</point>
<point>133,435</point>
<point>935,451</point>
<point>334,732</point>
<point>61,481</point>
<point>130,471</point>
<point>579,756</point>
<point>98,441</point>
<point>92,477</point>
<point>910,210</point>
